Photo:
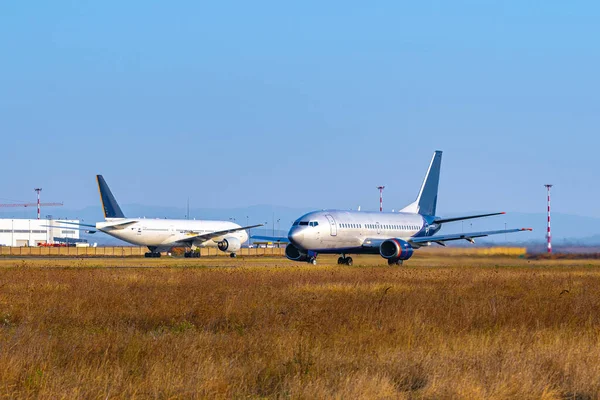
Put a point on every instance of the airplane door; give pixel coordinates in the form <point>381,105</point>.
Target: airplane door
<point>377,226</point>
<point>332,225</point>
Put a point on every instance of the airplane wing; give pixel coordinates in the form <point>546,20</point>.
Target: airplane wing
<point>203,237</point>
<point>277,239</point>
<point>120,225</point>
<point>440,239</point>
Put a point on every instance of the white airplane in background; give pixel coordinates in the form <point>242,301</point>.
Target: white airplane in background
<point>393,235</point>
<point>163,234</point>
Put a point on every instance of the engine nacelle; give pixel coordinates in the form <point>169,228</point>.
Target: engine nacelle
<point>230,244</point>
<point>295,254</point>
<point>396,249</point>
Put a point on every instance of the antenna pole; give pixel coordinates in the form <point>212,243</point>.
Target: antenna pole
<point>380,197</point>
<point>549,234</point>
<point>38,190</point>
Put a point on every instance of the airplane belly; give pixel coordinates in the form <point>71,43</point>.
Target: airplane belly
<point>142,238</point>
<point>133,239</point>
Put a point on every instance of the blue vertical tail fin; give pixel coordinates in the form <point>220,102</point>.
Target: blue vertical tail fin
<point>109,203</point>
<point>426,202</point>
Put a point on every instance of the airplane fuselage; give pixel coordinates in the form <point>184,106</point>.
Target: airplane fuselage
<point>166,233</point>
<point>335,231</point>
<point>393,235</point>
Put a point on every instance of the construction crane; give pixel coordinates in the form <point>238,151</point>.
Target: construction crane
<point>38,204</point>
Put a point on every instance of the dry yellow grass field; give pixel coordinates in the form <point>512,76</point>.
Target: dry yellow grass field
<point>439,327</point>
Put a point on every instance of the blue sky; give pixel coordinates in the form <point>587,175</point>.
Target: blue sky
<point>308,104</point>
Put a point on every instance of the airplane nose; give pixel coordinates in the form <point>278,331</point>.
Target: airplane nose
<point>296,236</point>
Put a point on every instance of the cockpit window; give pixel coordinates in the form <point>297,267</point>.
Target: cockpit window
<point>295,223</point>
<point>302,223</point>
<point>313,223</point>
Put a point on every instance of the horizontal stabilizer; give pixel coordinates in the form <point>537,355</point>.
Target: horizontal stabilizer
<point>87,230</point>
<point>57,223</point>
<point>446,220</point>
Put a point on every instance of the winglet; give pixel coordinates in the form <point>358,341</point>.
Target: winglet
<point>527,229</point>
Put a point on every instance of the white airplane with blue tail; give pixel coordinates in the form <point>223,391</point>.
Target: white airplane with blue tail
<point>161,235</point>
<point>393,235</point>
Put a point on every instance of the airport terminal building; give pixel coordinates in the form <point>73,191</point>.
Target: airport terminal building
<point>33,232</point>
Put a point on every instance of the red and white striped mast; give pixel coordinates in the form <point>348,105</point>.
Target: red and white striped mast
<point>380,197</point>
<point>549,234</point>
<point>38,190</point>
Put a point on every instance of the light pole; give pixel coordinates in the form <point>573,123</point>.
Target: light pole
<point>38,190</point>
<point>278,219</point>
<point>380,197</point>
<point>549,234</point>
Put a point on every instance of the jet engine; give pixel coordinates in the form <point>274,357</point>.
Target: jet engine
<point>295,254</point>
<point>396,249</point>
<point>230,244</point>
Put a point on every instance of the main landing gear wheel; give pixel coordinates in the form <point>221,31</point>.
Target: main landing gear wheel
<point>392,263</point>
<point>233,255</point>
<point>152,255</point>
<point>191,254</point>
<point>345,260</point>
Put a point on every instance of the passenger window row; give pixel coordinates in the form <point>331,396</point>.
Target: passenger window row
<point>351,226</point>
<point>383,227</point>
